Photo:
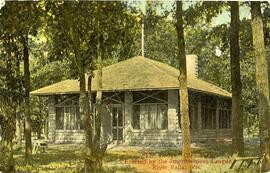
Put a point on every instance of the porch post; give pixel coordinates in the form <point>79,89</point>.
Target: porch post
<point>51,118</point>
<point>199,115</point>
<point>128,117</point>
<point>217,118</point>
<point>172,110</point>
<point>173,125</point>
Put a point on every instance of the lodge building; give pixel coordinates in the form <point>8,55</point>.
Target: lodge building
<point>141,105</point>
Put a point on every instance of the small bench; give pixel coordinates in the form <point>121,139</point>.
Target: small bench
<point>248,160</point>
<point>40,146</point>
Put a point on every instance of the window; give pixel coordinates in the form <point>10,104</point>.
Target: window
<point>136,117</point>
<point>59,117</point>
<point>208,117</point>
<point>208,112</point>
<point>224,114</point>
<point>193,116</point>
<point>193,99</point>
<point>150,110</point>
<point>68,118</point>
<point>68,114</point>
<point>224,119</point>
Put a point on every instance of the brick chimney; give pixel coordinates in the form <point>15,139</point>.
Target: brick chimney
<point>192,65</point>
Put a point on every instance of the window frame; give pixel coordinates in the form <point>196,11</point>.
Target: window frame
<point>74,106</point>
<point>140,102</point>
<point>225,114</point>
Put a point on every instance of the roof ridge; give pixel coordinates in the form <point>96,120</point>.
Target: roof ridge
<point>155,66</point>
<point>120,62</point>
<point>160,64</point>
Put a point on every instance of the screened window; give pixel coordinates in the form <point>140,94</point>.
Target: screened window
<point>208,117</point>
<point>208,112</point>
<point>193,116</point>
<point>68,114</point>
<point>59,117</point>
<point>224,119</point>
<point>136,117</point>
<point>150,110</point>
<point>224,114</point>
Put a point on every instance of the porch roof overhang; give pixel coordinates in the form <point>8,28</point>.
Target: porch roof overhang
<point>135,74</point>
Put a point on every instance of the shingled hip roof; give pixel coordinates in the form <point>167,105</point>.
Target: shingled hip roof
<point>135,74</point>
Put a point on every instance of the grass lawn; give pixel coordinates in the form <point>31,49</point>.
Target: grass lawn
<point>67,158</point>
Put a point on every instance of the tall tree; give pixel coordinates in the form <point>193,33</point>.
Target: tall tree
<point>238,141</point>
<point>183,92</point>
<point>20,26</point>
<point>98,106</point>
<point>262,82</point>
<point>27,130</point>
<point>83,43</point>
<point>8,102</point>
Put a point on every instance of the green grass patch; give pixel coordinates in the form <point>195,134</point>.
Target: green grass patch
<point>69,158</point>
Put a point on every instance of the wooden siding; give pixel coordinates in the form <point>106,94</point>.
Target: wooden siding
<point>69,136</point>
<point>163,138</point>
<point>210,134</point>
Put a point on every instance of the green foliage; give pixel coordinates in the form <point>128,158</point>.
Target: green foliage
<point>77,39</point>
<point>203,12</point>
<point>19,21</point>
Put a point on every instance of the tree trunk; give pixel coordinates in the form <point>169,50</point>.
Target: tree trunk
<point>93,161</point>
<point>86,110</point>
<point>18,130</point>
<point>98,155</point>
<point>183,92</point>
<point>262,82</point>
<point>18,105</point>
<point>28,142</point>
<point>9,165</point>
<point>89,164</point>
<point>238,141</point>
<point>7,129</point>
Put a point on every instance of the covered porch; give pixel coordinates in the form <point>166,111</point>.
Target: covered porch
<point>210,117</point>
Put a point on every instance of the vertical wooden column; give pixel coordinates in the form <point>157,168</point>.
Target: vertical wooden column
<point>217,117</point>
<point>172,110</point>
<point>52,119</point>
<point>128,116</point>
<point>192,118</point>
<point>173,124</point>
<point>199,115</point>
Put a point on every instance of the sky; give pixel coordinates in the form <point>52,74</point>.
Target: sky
<point>168,4</point>
<point>220,19</point>
<point>225,16</point>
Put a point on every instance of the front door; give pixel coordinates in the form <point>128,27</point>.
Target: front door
<point>117,123</point>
